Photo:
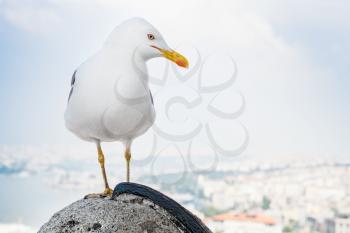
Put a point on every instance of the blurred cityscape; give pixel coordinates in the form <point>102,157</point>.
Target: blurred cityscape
<point>246,195</point>
<point>310,197</point>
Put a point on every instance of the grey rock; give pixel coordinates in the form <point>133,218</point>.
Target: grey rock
<point>124,213</point>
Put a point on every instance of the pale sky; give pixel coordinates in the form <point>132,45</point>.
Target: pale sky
<point>292,59</point>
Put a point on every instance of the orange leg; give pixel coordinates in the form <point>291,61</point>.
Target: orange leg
<point>127,156</point>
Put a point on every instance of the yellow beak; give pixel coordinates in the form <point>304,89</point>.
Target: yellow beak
<point>173,56</point>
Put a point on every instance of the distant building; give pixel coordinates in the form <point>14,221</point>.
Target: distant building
<point>340,224</point>
<point>329,226</point>
<point>243,223</point>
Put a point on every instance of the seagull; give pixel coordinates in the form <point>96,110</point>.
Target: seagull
<point>110,99</point>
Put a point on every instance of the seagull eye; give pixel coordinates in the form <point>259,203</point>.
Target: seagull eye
<point>150,36</point>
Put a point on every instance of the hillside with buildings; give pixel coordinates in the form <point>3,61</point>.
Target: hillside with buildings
<point>304,197</point>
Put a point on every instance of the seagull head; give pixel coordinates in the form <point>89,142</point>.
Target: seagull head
<point>145,40</point>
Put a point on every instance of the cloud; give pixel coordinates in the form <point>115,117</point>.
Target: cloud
<point>31,16</point>
<point>325,13</point>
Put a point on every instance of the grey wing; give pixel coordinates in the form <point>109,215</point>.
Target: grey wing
<point>72,85</point>
<point>150,93</point>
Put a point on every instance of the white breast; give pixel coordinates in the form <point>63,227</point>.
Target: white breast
<point>110,101</point>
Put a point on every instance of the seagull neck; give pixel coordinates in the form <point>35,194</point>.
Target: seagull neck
<point>138,62</point>
<point>129,58</point>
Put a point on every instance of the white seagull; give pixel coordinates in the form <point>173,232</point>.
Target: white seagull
<point>110,99</point>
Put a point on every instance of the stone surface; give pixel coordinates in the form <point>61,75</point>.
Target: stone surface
<point>132,208</point>
<point>127,213</point>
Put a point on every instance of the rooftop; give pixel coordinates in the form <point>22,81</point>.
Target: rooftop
<point>257,218</point>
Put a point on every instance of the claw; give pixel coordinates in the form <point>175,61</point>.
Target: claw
<point>106,193</point>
